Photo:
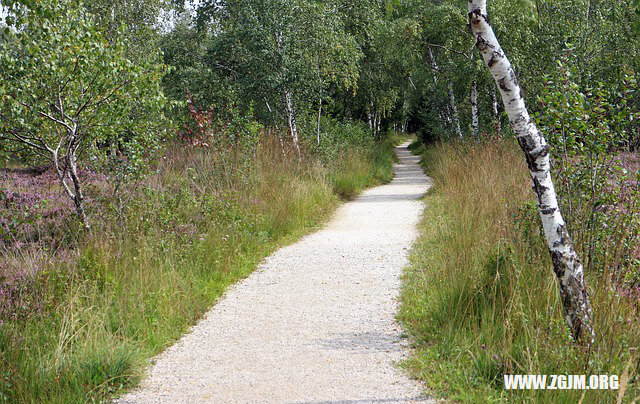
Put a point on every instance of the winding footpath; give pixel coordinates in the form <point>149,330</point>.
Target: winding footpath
<point>315,323</point>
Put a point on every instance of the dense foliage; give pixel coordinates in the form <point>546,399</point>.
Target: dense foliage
<point>480,299</point>
<point>181,169</point>
<point>174,125</point>
<point>392,64</point>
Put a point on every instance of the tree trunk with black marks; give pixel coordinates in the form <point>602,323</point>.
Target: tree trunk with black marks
<point>78,199</point>
<point>475,120</point>
<point>454,111</point>
<point>406,107</point>
<point>288,97</point>
<point>370,118</point>
<point>494,109</point>
<point>291,118</point>
<point>566,263</point>
<point>494,103</point>
<point>434,64</point>
<point>67,169</point>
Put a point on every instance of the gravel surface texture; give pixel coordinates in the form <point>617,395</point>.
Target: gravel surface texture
<point>315,323</point>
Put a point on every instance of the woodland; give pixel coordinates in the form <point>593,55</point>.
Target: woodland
<point>154,151</point>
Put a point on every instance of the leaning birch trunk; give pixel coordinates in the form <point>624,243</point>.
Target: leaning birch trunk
<point>78,199</point>
<point>434,64</point>
<point>474,109</point>
<point>67,169</point>
<point>566,263</point>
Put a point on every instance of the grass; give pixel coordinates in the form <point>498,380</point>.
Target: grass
<point>480,299</point>
<point>365,168</point>
<point>202,222</point>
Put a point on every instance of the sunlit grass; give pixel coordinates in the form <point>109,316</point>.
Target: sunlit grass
<point>480,298</point>
<point>203,222</point>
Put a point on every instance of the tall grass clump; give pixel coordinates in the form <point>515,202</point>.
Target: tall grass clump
<point>355,158</point>
<point>81,315</point>
<point>481,300</point>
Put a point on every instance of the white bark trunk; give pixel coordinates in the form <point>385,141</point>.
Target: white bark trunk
<point>494,107</point>
<point>291,118</point>
<point>78,200</point>
<point>68,170</point>
<point>288,100</point>
<point>494,103</point>
<point>454,111</point>
<point>284,151</point>
<point>566,263</point>
<point>434,64</point>
<point>475,121</point>
<point>406,106</point>
<point>319,116</point>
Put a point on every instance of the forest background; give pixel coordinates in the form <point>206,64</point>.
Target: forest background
<point>153,152</point>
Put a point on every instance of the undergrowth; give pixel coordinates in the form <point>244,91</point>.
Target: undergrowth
<point>480,299</point>
<point>154,263</point>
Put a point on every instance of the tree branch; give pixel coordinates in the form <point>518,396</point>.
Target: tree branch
<point>435,45</point>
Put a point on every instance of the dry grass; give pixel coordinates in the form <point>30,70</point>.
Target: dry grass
<point>480,298</point>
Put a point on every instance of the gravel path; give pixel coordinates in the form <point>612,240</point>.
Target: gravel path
<point>315,324</point>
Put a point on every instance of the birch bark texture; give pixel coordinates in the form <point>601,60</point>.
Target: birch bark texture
<point>454,110</point>
<point>288,98</point>
<point>291,118</point>
<point>566,263</point>
<point>475,120</point>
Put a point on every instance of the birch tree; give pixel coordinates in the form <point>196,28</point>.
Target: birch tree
<point>70,97</point>
<point>447,57</point>
<point>475,122</point>
<point>494,108</point>
<point>566,263</point>
<point>284,58</point>
<point>452,114</point>
<point>381,81</point>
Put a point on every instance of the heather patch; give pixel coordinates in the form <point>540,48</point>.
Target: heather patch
<point>85,308</point>
<point>33,210</point>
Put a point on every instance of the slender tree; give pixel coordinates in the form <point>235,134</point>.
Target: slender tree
<point>68,96</point>
<point>566,263</point>
<point>494,108</point>
<point>475,122</point>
